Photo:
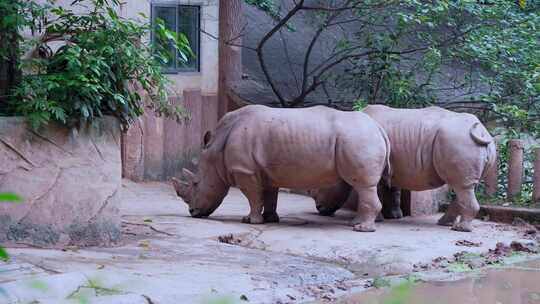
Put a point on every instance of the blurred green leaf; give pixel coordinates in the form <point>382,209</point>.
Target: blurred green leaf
<point>3,254</point>
<point>10,197</point>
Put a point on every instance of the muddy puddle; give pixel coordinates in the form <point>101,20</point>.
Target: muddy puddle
<point>519,284</point>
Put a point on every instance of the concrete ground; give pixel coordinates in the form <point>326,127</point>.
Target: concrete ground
<point>169,257</point>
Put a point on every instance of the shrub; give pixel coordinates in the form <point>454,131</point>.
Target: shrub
<point>101,68</point>
<point>9,198</point>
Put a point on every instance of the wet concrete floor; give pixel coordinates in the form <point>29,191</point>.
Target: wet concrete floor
<point>516,284</point>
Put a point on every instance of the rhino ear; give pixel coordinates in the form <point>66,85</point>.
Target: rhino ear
<point>206,139</point>
<point>181,188</point>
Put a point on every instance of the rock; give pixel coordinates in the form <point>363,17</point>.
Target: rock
<point>501,249</point>
<point>69,179</point>
<point>440,262</point>
<point>524,246</point>
<point>476,263</point>
<point>517,221</point>
<point>467,243</point>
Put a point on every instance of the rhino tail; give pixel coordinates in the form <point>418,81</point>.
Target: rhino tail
<point>387,172</point>
<point>491,158</point>
<point>480,135</point>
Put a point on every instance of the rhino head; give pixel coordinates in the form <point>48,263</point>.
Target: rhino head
<point>328,200</point>
<point>202,192</point>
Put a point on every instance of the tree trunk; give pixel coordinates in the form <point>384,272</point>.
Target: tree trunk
<point>10,73</point>
<point>231,23</point>
<point>515,168</point>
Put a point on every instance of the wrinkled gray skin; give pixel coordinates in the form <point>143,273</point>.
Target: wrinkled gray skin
<point>430,147</point>
<point>260,149</point>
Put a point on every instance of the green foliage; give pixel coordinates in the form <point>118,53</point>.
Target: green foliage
<point>267,6</point>
<point>401,293</point>
<point>101,68</point>
<point>507,50</point>
<point>17,16</point>
<point>381,282</point>
<point>499,52</point>
<point>464,54</point>
<point>459,267</point>
<point>525,199</point>
<point>3,254</point>
<point>359,104</point>
<point>10,198</point>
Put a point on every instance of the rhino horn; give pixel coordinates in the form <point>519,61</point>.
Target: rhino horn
<point>176,182</point>
<point>181,187</point>
<point>188,174</point>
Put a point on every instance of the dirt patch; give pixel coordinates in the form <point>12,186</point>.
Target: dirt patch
<point>466,261</point>
<point>229,239</point>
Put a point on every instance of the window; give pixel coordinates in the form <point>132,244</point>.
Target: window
<point>181,19</point>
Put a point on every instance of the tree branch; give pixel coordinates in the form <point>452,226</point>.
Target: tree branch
<point>265,39</point>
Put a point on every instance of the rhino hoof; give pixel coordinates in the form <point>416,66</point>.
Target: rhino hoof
<point>393,214</point>
<point>364,228</point>
<point>271,217</point>
<point>253,220</point>
<point>357,221</point>
<point>446,220</point>
<point>462,226</point>
<point>324,211</point>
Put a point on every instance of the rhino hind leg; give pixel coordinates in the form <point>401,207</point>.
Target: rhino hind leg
<point>392,209</point>
<point>270,205</point>
<point>254,193</point>
<point>450,216</point>
<point>467,207</point>
<point>369,208</point>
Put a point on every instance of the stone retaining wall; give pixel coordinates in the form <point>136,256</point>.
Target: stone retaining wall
<point>156,148</point>
<point>69,179</point>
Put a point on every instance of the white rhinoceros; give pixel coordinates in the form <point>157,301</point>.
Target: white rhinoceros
<point>430,147</point>
<point>260,149</point>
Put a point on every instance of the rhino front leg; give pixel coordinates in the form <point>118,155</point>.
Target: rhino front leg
<point>369,208</point>
<point>254,193</point>
<point>270,205</point>
<point>467,207</point>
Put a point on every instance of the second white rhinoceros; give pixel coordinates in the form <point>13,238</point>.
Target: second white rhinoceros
<point>260,149</point>
<point>430,147</point>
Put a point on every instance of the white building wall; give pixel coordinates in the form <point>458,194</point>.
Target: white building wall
<point>207,78</point>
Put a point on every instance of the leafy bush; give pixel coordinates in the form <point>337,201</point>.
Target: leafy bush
<point>101,68</point>
<point>465,55</point>
<point>526,196</point>
<point>10,198</point>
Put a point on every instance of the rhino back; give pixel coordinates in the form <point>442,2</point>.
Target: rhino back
<point>292,147</point>
<point>412,133</point>
<point>433,146</point>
